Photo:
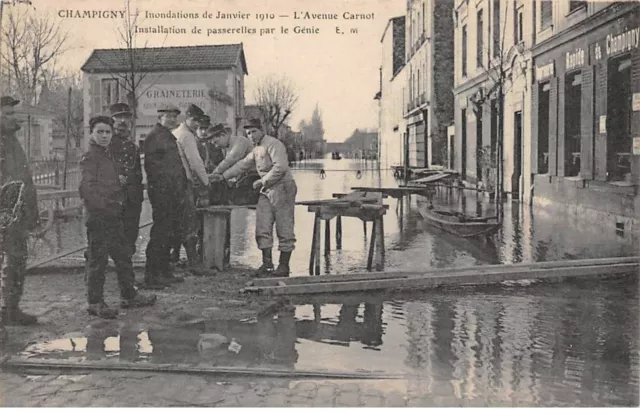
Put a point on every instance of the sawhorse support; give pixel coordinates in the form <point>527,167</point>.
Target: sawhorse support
<point>216,236</point>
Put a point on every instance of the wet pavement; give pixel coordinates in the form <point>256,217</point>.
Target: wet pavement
<point>567,344</point>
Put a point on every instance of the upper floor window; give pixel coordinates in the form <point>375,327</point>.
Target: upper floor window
<point>496,28</point>
<point>480,39</point>
<point>110,93</point>
<point>546,14</point>
<point>464,50</point>
<point>518,27</point>
<point>575,5</point>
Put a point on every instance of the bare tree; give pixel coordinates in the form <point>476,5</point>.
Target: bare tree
<point>31,46</point>
<point>276,97</point>
<point>131,67</point>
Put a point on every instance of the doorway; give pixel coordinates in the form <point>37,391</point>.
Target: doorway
<point>572,124</point>
<point>479,148</point>
<point>517,155</point>
<point>619,119</point>
<point>463,145</point>
<point>543,127</point>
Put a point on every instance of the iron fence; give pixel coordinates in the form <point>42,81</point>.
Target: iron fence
<point>50,172</point>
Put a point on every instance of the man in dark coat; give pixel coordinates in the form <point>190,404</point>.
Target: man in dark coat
<point>103,197</point>
<point>127,157</point>
<point>166,186</point>
<point>13,166</point>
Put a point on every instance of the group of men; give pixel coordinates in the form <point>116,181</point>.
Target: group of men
<point>180,165</point>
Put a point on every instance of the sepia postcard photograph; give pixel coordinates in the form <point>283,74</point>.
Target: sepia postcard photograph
<point>339,203</point>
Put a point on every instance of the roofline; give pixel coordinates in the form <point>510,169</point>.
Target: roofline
<point>106,70</point>
<point>384,32</point>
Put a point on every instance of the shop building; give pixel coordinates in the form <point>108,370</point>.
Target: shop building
<point>391,95</point>
<point>586,109</point>
<point>210,76</point>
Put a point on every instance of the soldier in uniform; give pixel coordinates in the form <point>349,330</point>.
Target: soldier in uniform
<point>13,163</point>
<point>166,184</point>
<point>127,156</point>
<point>277,196</point>
<point>103,197</point>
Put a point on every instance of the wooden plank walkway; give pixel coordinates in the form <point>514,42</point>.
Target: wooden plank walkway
<point>409,280</point>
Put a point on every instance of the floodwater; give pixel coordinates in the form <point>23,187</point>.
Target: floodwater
<point>536,344</point>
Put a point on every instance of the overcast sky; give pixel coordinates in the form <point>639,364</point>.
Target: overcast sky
<point>338,72</point>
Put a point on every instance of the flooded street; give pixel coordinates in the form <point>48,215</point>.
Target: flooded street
<point>566,344</point>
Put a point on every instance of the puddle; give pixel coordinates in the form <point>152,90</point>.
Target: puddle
<point>572,344</point>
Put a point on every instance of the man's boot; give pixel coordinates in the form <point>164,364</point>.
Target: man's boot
<point>152,280</point>
<point>283,266</point>
<point>194,264</point>
<point>266,269</point>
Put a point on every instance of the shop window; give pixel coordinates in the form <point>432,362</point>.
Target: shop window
<point>110,93</point>
<point>619,119</point>
<point>464,50</point>
<point>572,123</point>
<point>543,127</point>
<point>546,14</point>
<point>463,144</point>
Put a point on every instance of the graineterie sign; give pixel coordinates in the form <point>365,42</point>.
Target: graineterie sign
<point>545,71</point>
<point>181,95</point>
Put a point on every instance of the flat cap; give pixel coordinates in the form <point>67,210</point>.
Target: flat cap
<point>253,123</point>
<point>204,120</point>
<point>194,111</point>
<point>220,129</point>
<point>168,108</point>
<point>99,119</point>
<point>120,109</point>
<point>7,100</point>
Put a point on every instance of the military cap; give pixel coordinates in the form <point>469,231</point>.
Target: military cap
<point>7,100</point>
<point>219,129</point>
<point>168,108</point>
<point>194,111</point>
<point>204,120</point>
<point>253,123</point>
<point>120,109</point>
<point>100,119</point>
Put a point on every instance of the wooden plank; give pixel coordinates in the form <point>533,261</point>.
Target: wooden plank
<point>67,252</point>
<point>312,255</point>
<point>380,248</point>
<point>224,208</point>
<point>372,245</point>
<point>437,281</point>
<point>316,245</point>
<point>57,194</point>
<point>213,239</point>
<point>327,237</point>
<point>339,232</point>
<point>474,270</point>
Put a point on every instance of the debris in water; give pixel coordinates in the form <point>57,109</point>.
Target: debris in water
<point>234,346</point>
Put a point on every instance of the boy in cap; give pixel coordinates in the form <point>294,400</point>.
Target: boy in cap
<point>277,197</point>
<point>127,156</point>
<point>166,183</point>
<point>14,167</point>
<point>103,197</point>
<point>196,176</point>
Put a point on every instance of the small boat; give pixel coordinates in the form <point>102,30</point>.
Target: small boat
<point>459,223</point>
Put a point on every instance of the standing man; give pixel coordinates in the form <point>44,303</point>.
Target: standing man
<point>103,197</point>
<point>277,197</point>
<point>166,183</point>
<point>127,157</point>
<point>196,176</point>
<point>13,163</point>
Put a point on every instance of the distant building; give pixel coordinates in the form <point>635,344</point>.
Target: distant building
<point>429,100</point>
<point>210,76</point>
<point>391,96</point>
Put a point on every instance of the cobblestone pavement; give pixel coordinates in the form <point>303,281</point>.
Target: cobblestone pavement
<point>127,389</point>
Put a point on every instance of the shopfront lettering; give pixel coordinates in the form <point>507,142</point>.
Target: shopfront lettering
<point>181,95</point>
<point>545,71</point>
<point>575,59</point>
<point>623,42</point>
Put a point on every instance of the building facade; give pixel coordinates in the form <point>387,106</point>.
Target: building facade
<point>492,94</point>
<point>210,76</point>
<point>586,108</point>
<point>429,100</point>
<point>391,96</point>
